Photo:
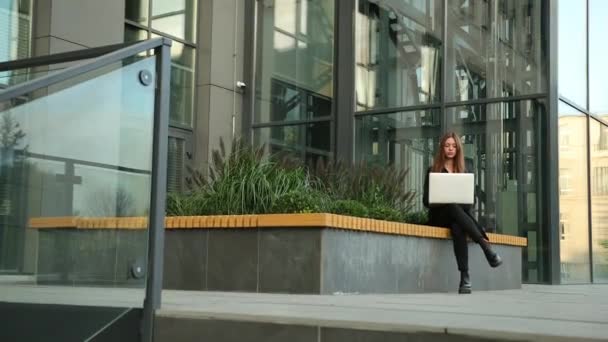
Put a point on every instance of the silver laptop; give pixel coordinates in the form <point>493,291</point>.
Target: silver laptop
<point>458,188</point>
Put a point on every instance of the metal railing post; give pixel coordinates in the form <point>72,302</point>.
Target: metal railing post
<point>156,235</point>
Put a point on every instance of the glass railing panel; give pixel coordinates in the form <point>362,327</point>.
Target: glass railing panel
<point>73,155</point>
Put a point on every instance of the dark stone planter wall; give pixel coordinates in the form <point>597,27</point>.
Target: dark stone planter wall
<point>95,257</point>
<point>275,260</point>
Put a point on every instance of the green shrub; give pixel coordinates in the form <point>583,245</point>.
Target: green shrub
<point>349,207</point>
<point>184,204</point>
<point>419,217</point>
<point>386,213</point>
<point>245,180</point>
<point>178,204</point>
<point>310,201</point>
<point>372,185</point>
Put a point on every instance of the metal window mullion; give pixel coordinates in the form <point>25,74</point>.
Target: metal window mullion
<point>292,122</point>
<point>485,101</point>
<point>589,202</point>
<point>590,211</point>
<point>390,110</point>
<point>446,105</point>
<point>599,118</point>
<point>444,66</point>
<point>249,72</point>
<point>573,105</point>
<point>177,39</point>
<point>551,152</point>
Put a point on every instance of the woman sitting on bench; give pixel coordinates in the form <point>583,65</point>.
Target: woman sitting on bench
<point>457,217</point>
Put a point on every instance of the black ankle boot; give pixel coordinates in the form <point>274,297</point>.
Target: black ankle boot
<point>493,258</point>
<point>465,283</point>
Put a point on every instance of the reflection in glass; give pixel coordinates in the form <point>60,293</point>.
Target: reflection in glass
<point>182,84</point>
<point>572,44</point>
<point>285,14</point>
<point>175,17</point>
<point>295,56</point>
<point>126,196</point>
<point>598,50</point>
<point>494,49</point>
<point>398,53</point>
<point>500,146</point>
<point>78,148</point>
<point>15,37</point>
<point>573,196</point>
<point>137,11</point>
<point>308,142</point>
<point>406,140</point>
<point>599,199</point>
<point>293,103</point>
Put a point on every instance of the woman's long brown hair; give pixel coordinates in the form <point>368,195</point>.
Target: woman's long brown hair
<point>439,162</point>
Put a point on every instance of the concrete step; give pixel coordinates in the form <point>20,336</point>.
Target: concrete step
<point>17,279</point>
<point>536,313</point>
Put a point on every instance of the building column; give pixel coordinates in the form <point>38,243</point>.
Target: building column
<point>220,66</point>
<point>65,25</point>
<point>550,160</point>
<point>344,81</point>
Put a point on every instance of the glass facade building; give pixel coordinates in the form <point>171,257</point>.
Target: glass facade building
<point>145,19</point>
<point>521,81</point>
<point>583,152</point>
<point>402,72</point>
<point>419,68</point>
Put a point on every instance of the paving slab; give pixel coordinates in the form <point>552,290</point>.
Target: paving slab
<point>539,313</point>
<point>536,312</point>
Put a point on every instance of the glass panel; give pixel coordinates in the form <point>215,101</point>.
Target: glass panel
<point>573,196</point>
<point>15,38</point>
<point>286,14</point>
<point>598,50</point>
<point>137,11</point>
<point>403,139</point>
<point>309,142</point>
<point>175,17</point>
<point>182,84</point>
<point>293,103</point>
<point>398,53</point>
<point>494,49</point>
<point>599,200</point>
<point>75,149</point>
<point>295,60</point>
<point>572,43</point>
<point>501,147</point>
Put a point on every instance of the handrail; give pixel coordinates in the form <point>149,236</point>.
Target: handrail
<point>76,70</point>
<point>62,57</point>
<point>98,58</point>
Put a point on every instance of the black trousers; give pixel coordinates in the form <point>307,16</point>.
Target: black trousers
<point>461,225</point>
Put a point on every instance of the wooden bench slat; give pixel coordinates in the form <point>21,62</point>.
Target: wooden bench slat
<point>264,221</point>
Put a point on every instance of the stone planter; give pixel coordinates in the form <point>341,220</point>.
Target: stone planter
<point>282,253</point>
